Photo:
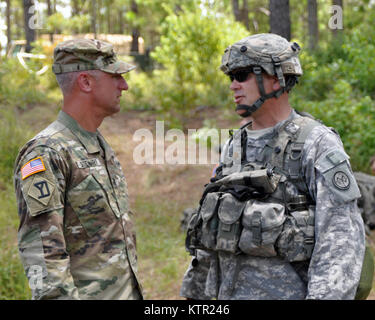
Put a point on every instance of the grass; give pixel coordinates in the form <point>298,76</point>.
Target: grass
<point>161,249</point>
<point>13,282</point>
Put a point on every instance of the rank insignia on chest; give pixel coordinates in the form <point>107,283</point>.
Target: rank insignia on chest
<point>33,166</point>
<point>88,163</point>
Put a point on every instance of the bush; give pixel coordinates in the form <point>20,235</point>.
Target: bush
<point>337,88</point>
<point>13,282</point>
<point>19,87</point>
<point>192,44</point>
<point>140,95</point>
<point>12,137</point>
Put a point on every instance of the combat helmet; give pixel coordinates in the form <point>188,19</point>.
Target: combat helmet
<point>266,52</point>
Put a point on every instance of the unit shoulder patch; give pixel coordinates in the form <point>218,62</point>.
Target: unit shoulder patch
<point>41,190</point>
<point>341,180</point>
<point>335,167</point>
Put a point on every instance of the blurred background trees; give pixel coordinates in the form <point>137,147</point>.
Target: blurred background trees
<point>177,45</point>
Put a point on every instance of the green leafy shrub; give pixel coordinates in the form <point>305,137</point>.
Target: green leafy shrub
<point>140,95</point>
<point>13,282</point>
<point>18,86</point>
<point>190,51</point>
<point>337,88</point>
<point>12,137</point>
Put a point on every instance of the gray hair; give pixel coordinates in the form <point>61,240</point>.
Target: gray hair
<point>67,80</point>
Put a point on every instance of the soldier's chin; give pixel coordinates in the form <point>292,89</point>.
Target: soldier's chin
<point>240,112</point>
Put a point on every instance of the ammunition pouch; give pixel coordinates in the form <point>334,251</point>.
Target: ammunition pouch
<point>262,224</point>
<point>210,221</point>
<point>235,221</point>
<point>296,241</point>
<point>229,213</point>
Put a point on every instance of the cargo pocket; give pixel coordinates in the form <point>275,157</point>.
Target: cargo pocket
<point>229,230</point>
<point>89,202</point>
<point>210,222</point>
<point>296,241</point>
<point>262,223</point>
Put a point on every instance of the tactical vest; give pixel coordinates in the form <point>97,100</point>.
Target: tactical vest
<point>249,209</point>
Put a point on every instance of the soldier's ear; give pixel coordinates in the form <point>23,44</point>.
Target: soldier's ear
<point>275,84</point>
<point>85,82</point>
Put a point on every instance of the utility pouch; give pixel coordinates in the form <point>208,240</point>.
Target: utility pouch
<point>263,180</point>
<point>296,241</point>
<point>208,212</point>
<point>229,212</point>
<point>262,224</point>
<point>193,233</point>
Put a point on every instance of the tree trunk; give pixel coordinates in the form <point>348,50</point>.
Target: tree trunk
<point>29,25</point>
<point>109,18</point>
<point>312,8</point>
<point>49,13</point>
<point>120,22</point>
<point>75,8</point>
<point>9,33</point>
<point>236,10</point>
<point>280,18</point>
<point>93,17</point>
<point>245,14</point>
<point>241,14</point>
<point>135,30</point>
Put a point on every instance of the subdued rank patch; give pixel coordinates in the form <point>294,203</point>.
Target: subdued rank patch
<point>33,166</point>
<point>41,190</point>
<point>88,163</point>
<point>341,180</point>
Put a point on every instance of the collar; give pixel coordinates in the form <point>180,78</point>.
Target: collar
<point>88,139</point>
<point>277,128</point>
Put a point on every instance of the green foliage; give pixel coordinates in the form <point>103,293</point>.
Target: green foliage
<point>190,51</point>
<point>12,137</point>
<point>140,95</point>
<point>338,88</point>
<point>57,23</point>
<point>13,281</point>
<point>18,86</point>
<point>166,256</point>
<point>12,278</point>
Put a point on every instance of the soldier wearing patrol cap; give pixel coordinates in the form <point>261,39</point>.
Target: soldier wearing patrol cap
<point>76,237</point>
<point>279,220</point>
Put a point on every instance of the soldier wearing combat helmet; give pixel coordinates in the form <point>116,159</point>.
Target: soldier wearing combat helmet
<point>76,238</point>
<point>279,220</point>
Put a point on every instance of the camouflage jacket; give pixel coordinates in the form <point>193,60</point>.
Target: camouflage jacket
<point>75,238</point>
<point>333,272</point>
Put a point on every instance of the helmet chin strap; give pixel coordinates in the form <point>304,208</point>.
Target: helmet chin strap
<point>250,109</point>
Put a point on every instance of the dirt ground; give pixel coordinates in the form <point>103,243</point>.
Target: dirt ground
<point>119,131</point>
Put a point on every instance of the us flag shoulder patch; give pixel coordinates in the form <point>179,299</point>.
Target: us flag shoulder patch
<point>33,166</point>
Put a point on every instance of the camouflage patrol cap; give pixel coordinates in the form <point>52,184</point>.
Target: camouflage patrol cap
<point>87,54</point>
<point>270,51</point>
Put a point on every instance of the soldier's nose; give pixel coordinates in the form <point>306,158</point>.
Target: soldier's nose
<point>123,85</point>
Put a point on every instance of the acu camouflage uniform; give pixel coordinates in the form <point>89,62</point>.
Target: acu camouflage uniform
<point>76,238</point>
<point>260,261</point>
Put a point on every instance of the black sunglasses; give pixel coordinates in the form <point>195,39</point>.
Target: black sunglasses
<point>240,76</point>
